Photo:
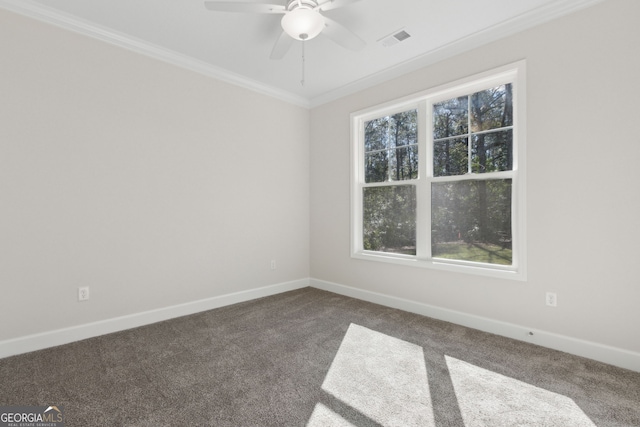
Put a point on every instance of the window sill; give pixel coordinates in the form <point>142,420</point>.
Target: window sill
<point>477,269</point>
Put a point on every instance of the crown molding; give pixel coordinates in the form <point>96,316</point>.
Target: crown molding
<point>544,14</point>
<point>75,24</point>
<point>549,12</point>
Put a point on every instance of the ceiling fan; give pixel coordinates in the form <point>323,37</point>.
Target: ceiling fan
<point>302,20</point>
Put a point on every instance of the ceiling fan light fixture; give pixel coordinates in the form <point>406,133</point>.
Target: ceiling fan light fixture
<point>302,23</point>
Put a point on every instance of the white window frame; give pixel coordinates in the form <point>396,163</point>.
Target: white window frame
<point>423,101</point>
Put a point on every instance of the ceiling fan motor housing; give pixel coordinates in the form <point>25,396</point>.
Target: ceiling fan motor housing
<point>306,4</point>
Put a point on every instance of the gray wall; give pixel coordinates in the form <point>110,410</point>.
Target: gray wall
<point>156,186</point>
<point>153,185</point>
<point>583,190</point>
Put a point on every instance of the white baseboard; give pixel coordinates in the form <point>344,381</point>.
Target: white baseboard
<point>57,337</point>
<point>603,353</point>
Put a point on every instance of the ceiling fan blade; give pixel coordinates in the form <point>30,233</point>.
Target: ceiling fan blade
<point>334,4</point>
<point>341,35</point>
<point>282,46</point>
<point>244,7</point>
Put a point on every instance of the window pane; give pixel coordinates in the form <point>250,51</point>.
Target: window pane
<point>492,108</point>
<point>375,134</point>
<point>451,118</point>
<point>491,152</point>
<point>471,221</point>
<point>450,157</point>
<point>391,131</point>
<point>404,163</point>
<point>389,219</point>
<point>405,128</point>
<point>376,167</point>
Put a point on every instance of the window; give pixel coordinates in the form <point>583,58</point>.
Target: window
<point>438,178</point>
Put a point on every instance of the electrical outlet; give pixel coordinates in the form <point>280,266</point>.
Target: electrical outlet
<point>273,264</point>
<point>83,293</point>
<point>552,299</point>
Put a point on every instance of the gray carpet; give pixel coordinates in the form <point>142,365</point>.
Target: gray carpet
<point>313,358</point>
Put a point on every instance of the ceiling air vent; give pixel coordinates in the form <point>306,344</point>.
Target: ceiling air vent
<point>394,38</point>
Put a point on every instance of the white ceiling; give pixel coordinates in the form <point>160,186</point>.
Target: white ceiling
<point>236,47</point>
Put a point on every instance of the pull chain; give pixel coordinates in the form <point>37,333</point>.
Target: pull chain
<point>303,61</point>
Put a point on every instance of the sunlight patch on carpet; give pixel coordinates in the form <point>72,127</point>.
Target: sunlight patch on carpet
<point>323,416</point>
<point>382,378</point>
<point>488,399</point>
